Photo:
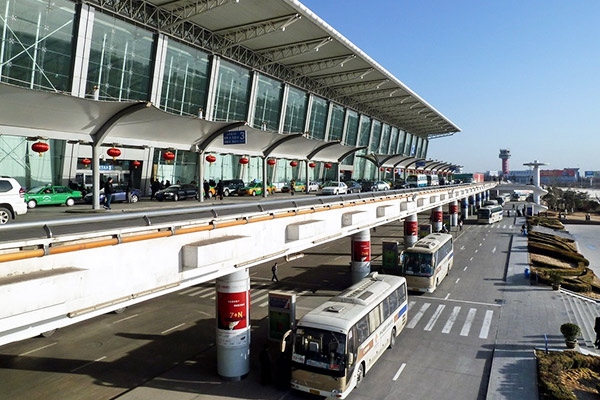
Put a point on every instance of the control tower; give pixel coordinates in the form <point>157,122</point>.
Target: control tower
<point>504,155</point>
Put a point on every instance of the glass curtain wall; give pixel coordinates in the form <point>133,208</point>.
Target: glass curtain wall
<point>318,118</point>
<point>407,144</point>
<point>418,146</point>
<point>351,135</point>
<point>268,103</point>
<point>361,167</point>
<point>424,149</point>
<point>375,137</point>
<point>185,82</point>
<point>36,43</point>
<point>401,141</point>
<point>295,111</point>
<point>394,141</point>
<point>120,60</point>
<point>385,140</point>
<point>336,123</point>
<point>233,92</point>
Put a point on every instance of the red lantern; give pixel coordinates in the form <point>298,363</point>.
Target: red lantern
<point>294,163</point>
<point>396,171</point>
<point>86,162</point>
<point>114,153</point>
<point>211,159</point>
<point>327,165</point>
<point>40,147</point>
<point>271,162</point>
<point>136,164</point>
<point>244,161</point>
<point>382,169</point>
<point>389,170</point>
<point>168,155</point>
<point>312,165</point>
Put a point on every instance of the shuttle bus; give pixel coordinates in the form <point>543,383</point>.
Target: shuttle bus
<point>433,180</point>
<point>489,214</point>
<point>427,263</point>
<point>337,343</point>
<point>419,180</point>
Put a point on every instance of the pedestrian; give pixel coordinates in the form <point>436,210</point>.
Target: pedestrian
<point>513,206</point>
<point>274,271</point>
<point>206,188</point>
<point>167,184</point>
<point>460,223</point>
<point>508,213</point>
<point>154,187</point>
<point>265,366</point>
<point>597,330</point>
<point>128,191</point>
<point>292,187</point>
<point>220,190</point>
<point>108,193</point>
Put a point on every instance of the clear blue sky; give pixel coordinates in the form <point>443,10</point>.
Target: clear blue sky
<point>516,74</point>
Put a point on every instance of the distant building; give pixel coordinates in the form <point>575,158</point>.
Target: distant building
<point>524,177</point>
<point>558,177</point>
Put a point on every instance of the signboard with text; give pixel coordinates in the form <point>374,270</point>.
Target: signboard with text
<point>235,137</point>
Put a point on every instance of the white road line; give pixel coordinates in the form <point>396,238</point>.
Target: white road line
<point>266,303</point>
<point>458,279</point>
<point>446,298</point>
<point>37,349</point>
<point>494,249</point>
<point>471,259</point>
<point>204,292</point>
<point>462,301</point>
<point>462,247</point>
<point>338,257</point>
<point>261,298</point>
<point>480,244</point>
<point>418,316</point>
<point>503,226</point>
<point>469,321</point>
<point>434,318</point>
<point>489,231</point>
<point>208,293</point>
<point>484,238</point>
<point>399,372</point>
<point>302,293</point>
<point>485,328</point>
<point>451,319</point>
<point>476,251</point>
<point>205,313</point>
<point>189,290</point>
<point>86,364</point>
<point>411,304</point>
<point>126,318</point>
<point>464,269</point>
<point>510,226</point>
<point>173,328</point>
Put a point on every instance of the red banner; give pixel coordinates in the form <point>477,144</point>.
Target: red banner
<point>361,251</point>
<point>437,216</point>
<point>232,309</point>
<point>453,209</point>
<point>411,228</point>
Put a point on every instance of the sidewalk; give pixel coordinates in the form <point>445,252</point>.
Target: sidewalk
<point>528,312</point>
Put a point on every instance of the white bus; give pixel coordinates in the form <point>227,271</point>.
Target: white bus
<point>335,344</point>
<point>433,180</point>
<point>419,180</point>
<point>427,262</point>
<point>489,214</point>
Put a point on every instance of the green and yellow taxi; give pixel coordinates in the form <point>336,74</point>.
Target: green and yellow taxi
<point>255,189</point>
<point>51,195</point>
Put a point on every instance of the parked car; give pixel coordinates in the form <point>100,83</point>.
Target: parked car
<point>12,199</point>
<point>177,192</point>
<point>298,187</point>
<point>231,186</point>
<point>255,189</point>
<point>400,184</point>
<point>313,186</point>
<point>374,186</point>
<point>334,187</point>
<point>48,195</point>
<point>120,194</point>
<point>353,187</point>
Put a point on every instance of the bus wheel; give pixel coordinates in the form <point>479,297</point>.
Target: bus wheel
<point>393,339</point>
<point>47,334</point>
<point>360,374</point>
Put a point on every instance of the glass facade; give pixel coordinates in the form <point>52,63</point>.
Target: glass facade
<point>269,93</point>
<point>36,43</point>
<point>394,141</point>
<point>385,139</point>
<point>318,118</point>
<point>233,93</point>
<point>375,137</point>
<point>185,82</point>
<point>408,144</point>
<point>336,123</point>
<point>120,60</point>
<point>295,111</point>
<point>351,135</point>
<point>361,165</point>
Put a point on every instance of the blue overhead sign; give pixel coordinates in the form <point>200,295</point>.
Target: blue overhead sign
<point>235,137</point>
<point>413,150</point>
<point>420,163</point>
<point>589,174</point>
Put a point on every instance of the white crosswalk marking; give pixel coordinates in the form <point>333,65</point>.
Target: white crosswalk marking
<point>485,328</point>
<point>411,304</point>
<point>435,317</point>
<point>510,226</point>
<point>418,316</point>
<point>503,226</point>
<point>468,322</point>
<point>451,320</point>
<point>261,297</point>
<point>210,292</point>
<point>189,290</point>
<point>494,249</point>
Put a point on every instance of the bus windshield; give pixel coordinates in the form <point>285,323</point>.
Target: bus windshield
<point>484,213</point>
<point>419,264</point>
<point>321,349</point>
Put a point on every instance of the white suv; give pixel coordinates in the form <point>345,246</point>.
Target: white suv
<point>12,199</point>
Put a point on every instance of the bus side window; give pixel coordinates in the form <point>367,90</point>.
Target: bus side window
<point>362,330</point>
<point>394,303</point>
<point>374,319</point>
<point>386,309</point>
<point>352,346</point>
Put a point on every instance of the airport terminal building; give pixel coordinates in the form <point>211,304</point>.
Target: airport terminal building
<point>271,63</point>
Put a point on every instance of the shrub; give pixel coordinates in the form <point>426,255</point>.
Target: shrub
<point>570,331</point>
<point>555,278</point>
<point>562,254</point>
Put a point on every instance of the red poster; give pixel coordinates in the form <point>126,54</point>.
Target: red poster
<point>411,228</point>
<point>437,216</point>
<point>232,309</point>
<point>361,251</point>
<point>453,209</point>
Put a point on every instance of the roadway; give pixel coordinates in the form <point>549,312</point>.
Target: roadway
<point>164,348</point>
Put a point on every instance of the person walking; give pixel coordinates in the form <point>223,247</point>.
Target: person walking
<point>460,223</point>
<point>292,187</point>
<point>108,193</point>
<point>597,330</point>
<point>220,190</point>
<point>274,271</point>
<point>206,188</point>
<point>128,190</point>
<point>154,187</point>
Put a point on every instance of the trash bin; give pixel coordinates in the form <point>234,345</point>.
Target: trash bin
<point>526,273</point>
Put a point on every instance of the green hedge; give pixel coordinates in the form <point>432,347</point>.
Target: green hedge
<point>551,251</point>
<point>551,365</point>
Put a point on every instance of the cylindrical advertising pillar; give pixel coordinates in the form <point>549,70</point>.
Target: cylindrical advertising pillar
<point>233,325</point>
<point>478,200</point>
<point>361,255</point>
<point>437,218</point>
<point>411,230</point>
<point>472,204</point>
<point>454,213</point>
<point>464,205</point>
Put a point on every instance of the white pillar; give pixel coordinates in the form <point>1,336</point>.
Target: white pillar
<point>361,255</point>
<point>233,325</point>
<point>411,230</point>
<point>454,213</point>
<point>437,218</point>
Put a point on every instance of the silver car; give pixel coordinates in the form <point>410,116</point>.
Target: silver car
<point>334,188</point>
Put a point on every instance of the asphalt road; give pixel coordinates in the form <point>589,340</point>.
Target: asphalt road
<point>166,346</point>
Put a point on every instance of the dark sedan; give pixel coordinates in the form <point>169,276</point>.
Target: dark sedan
<point>354,187</point>
<point>177,192</point>
<point>120,194</point>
